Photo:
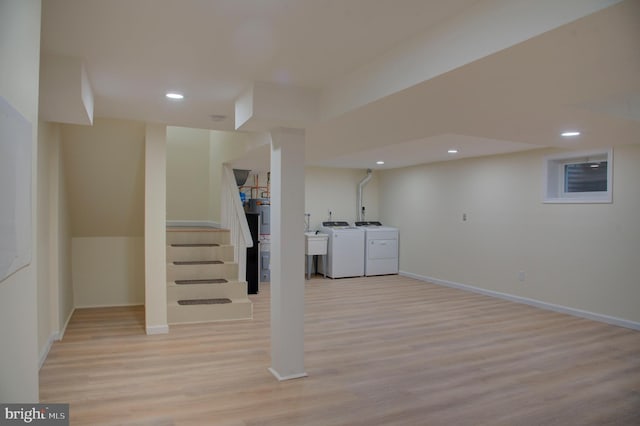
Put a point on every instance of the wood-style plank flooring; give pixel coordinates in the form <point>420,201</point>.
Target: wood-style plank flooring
<point>378,351</point>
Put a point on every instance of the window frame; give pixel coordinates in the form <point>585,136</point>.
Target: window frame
<point>555,178</point>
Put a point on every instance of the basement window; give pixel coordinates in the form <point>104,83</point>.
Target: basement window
<point>579,177</point>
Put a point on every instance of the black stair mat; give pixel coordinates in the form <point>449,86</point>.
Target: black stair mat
<point>205,281</point>
<point>195,245</point>
<point>203,301</point>
<point>198,262</point>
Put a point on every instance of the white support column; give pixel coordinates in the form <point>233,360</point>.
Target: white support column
<point>287,253</point>
<point>155,230</point>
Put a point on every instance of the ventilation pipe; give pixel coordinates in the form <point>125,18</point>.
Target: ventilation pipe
<point>241,176</point>
<point>361,185</point>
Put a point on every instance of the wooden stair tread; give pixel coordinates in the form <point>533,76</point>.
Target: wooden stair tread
<point>204,301</point>
<point>198,262</point>
<point>202,281</point>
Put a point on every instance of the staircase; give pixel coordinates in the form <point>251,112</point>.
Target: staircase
<point>202,277</point>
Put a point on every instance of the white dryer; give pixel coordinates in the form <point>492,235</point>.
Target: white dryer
<point>345,249</point>
<point>381,248</point>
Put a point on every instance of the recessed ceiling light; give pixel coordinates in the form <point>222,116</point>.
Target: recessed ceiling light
<point>570,134</point>
<point>453,151</point>
<point>380,162</point>
<point>174,95</point>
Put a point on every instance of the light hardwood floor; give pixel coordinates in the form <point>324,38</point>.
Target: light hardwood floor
<point>378,351</point>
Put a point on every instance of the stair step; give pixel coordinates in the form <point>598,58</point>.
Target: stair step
<point>196,245</point>
<point>198,262</point>
<point>228,290</point>
<point>226,270</point>
<point>202,277</point>
<point>204,301</point>
<point>200,252</point>
<point>205,281</point>
<point>238,309</point>
<point>198,236</point>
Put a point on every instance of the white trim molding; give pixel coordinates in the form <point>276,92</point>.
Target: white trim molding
<point>54,337</point>
<point>531,302</point>
<point>554,176</point>
<point>45,351</point>
<point>111,305</point>
<point>290,377</point>
<point>60,334</point>
<point>157,329</point>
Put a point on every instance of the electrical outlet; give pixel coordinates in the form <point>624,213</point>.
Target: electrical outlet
<point>464,217</point>
<point>521,276</point>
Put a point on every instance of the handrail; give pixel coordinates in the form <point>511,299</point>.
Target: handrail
<point>234,219</point>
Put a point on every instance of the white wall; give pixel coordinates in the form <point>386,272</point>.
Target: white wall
<point>55,293</point>
<point>224,147</point>
<point>336,190</point>
<point>108,271</point>
<point>60,242</point>
<point>46,328</point>
<point>194,170</point>
<point>582,256</point>
<point>19,55</point>
<point>188,184</point>
<point>47,305</point>
<point>102,170</point>
<point>155,220</point>
<point>104,166</point>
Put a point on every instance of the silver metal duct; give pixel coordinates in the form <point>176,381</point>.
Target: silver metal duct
<point>241,176</point>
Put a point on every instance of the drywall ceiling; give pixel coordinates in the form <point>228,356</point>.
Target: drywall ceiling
<point>212,50</point>
<point>583,76</point>
<point>582,73</point>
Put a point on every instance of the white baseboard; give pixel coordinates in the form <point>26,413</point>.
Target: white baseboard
<point>110,305</point>
<point>60,334</point>
<point>157,329</point>
<point>194,223</point>
<point>289,377</point>
<point>55,336</point>
<point>531,302</point>
<point>45,351</point>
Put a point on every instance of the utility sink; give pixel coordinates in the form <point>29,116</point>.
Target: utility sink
<point>315,244</point>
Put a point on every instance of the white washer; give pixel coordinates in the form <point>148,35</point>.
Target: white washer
<point>345,249</point>
<point>381,248</point>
